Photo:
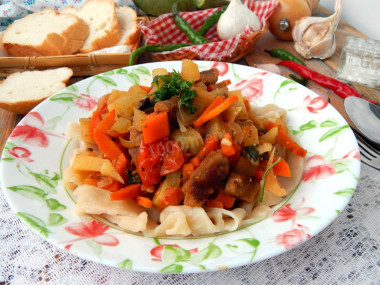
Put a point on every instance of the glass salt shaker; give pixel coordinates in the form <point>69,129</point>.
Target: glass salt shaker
<point>360,62</point>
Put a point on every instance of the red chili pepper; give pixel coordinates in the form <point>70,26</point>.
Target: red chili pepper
<point>341,89</point>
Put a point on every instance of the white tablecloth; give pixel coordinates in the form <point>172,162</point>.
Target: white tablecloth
<point>346,252</point>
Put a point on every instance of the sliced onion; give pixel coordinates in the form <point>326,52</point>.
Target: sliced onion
<point>121,125</point>
<point>128,144</point>
<point>106,180</point>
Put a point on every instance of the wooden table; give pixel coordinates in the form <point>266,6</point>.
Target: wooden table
<point>327,67</point>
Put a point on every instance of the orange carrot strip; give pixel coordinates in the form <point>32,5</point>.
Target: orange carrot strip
<point>270,181</point>
<point>187,169</point>
<point>216,111</point>
<point>102,106</point>
<point>155,126</point>
<point>227,200</point>
<point>121,163</point>
<point>216,102</point>
<point>227,145</point>
<point>285,140</point>
<point>91,181</point>
<point>106,123</point>
<point>270,125</point>
<point>282,168</point>
<point>146,88</point>
<point>96,118</point>
<point>127,192</point>
<point>214,204</point>
<point>143,201</point>
<point>113,187</point>
<point>106,145</point>
<point>97,180</point>
<point>195,161</point>
<point>247,104</point>
<point>210,144</point>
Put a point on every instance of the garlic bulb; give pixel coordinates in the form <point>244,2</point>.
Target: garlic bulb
<point>314,37</point>
<point>234,20</point>
<point>312,4</point>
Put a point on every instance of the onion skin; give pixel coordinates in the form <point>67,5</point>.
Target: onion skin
<point>292,10</point>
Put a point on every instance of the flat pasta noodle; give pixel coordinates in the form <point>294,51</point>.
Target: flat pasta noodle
<point>131,223</point>
<point>269,112</point>
<point>72,179</point>
<point>184,221</point>
<point>93,200</point>
<point>258,214</point>
<point>227,220</point>
<point>296,165</point>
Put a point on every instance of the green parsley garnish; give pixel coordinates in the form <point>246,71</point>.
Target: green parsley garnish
<point>175,85</point>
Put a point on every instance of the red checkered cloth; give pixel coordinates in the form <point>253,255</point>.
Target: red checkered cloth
<point>164,31</point>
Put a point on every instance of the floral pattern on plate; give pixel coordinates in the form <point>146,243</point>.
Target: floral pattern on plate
<point>38,151</point>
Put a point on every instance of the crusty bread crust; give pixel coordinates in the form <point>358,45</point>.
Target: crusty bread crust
<point>13,90</point>
<point>65,43</point>
<point>21,107</point>
<point>129,32</point>
<point>110,35</point>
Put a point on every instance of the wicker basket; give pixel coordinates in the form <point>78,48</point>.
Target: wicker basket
<point>81,64</point>
<point>241,50</point>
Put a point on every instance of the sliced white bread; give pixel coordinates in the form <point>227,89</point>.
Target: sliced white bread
<point>100,15</point>
<point>3,51</point>
<point>45,33</point>
<point>128,29</point>
<point>20,92</point>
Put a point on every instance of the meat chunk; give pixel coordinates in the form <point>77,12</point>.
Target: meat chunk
<point>167,105</point>
<point>170,106</point>
<point>211,174</point>
<point>133,152</point>
<point>145,103</point>
<point>209,76</point>
<point>135,135</point>
<point>240,186</point>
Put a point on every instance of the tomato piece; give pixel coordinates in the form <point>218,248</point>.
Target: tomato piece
<point>148,165</point>
<point>173,159</point>
<point>157,159</point>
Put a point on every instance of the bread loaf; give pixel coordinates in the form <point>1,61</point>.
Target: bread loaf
<point>128,30</point>
<point>45,33</point>
<point>100,15</point>
<point>22,91</point>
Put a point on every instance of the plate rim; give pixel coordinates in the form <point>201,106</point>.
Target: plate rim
<point>187,270</point>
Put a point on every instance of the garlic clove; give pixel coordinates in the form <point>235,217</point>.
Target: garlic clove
<point>314,37</point>
<point>324,48</point>
<point>312,4</point>
<point>234,20</point>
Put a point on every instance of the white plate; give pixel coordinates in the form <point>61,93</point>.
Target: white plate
<point>38,151</point>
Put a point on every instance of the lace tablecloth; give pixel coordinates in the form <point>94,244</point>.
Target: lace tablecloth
<point>346,252</point>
